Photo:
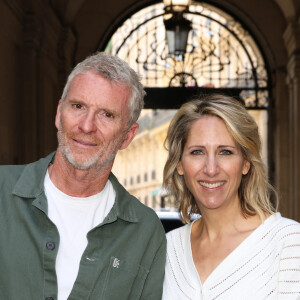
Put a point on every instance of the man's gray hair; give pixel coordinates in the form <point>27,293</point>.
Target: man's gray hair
<point>116,71</point>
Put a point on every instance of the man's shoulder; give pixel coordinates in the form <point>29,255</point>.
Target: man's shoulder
<point>131,209</point>
<point>128,202</point>
<point>11,172</point>
<point>144,212</point>
<point>9,176</point>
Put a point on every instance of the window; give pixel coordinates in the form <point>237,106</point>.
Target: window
<point>153,175</point>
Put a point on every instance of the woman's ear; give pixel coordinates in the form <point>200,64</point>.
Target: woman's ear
<point>246,167</point>
<point>179,168</point>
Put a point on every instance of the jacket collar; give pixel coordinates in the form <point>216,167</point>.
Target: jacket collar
<point>31,185</point>
<point>31,182</point>
<point>125,204</point>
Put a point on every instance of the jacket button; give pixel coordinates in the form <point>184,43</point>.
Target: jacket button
<point>50,246</point>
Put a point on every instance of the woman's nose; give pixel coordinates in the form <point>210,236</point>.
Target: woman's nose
<point>211,166</point>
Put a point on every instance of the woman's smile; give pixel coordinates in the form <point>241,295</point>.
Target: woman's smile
<point>211,185</point>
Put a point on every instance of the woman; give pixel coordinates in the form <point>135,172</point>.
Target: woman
<point>240,247</point>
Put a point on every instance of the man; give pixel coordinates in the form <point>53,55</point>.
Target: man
<point>69,230</point>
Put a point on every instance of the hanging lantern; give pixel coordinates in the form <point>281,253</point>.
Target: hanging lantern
<point>177,27</point>
<point>177,5</point>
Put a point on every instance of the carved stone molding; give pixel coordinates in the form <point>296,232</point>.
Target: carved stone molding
<point>291,37</point>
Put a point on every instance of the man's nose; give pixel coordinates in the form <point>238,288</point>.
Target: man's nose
<point>87,123</point>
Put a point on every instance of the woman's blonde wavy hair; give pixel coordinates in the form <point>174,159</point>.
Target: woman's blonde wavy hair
<point>255,189</point>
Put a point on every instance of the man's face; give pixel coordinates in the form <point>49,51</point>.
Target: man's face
<point>92,122</point>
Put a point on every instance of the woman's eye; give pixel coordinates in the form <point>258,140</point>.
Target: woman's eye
<point>196,152</point>
<point>225,152</point>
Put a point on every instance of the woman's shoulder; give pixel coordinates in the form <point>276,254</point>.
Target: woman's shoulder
<point>281,228</point>
<point>181,231</point>
<point>285,223</point>
<point>179,239</point>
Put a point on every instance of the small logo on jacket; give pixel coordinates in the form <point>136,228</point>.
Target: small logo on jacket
<point>116,263</point>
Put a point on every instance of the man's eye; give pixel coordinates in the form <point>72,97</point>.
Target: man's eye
<point>108,115</point>
<point>225,152</point>
<point>77,106</point>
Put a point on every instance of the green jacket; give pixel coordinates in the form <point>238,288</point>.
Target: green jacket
<point>124,259</point>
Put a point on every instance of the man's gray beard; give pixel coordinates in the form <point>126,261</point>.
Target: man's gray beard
<point>89,163</point>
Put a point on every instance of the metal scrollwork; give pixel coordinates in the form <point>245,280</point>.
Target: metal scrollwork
<point>220,53</point>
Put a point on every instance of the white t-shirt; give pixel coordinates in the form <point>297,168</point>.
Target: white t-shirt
<point>74,217</point>
<point>266,265</point>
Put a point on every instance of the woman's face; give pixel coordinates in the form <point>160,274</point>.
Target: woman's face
<point>212,164</point>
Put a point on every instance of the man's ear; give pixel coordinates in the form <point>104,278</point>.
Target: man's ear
<point>131,133</point>
<point>179,168</point>
<point>57,117</point>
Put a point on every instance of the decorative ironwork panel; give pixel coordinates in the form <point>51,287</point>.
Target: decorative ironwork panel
<point>220,53</point>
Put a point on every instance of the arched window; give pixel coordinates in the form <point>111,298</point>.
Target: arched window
<point>220,53</point>
<point>220,56</point>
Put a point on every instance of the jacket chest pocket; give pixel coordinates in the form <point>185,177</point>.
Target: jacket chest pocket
<point>124,280</point>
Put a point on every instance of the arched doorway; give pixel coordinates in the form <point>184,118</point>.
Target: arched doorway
<point>220,56</point>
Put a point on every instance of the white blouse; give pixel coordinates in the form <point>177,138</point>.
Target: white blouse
<point>266,265</point>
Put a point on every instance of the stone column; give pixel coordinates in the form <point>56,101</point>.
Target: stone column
<point>292,40</point>
<point>29,89</point>
<point>47,58</point>
<point>66,54</point>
